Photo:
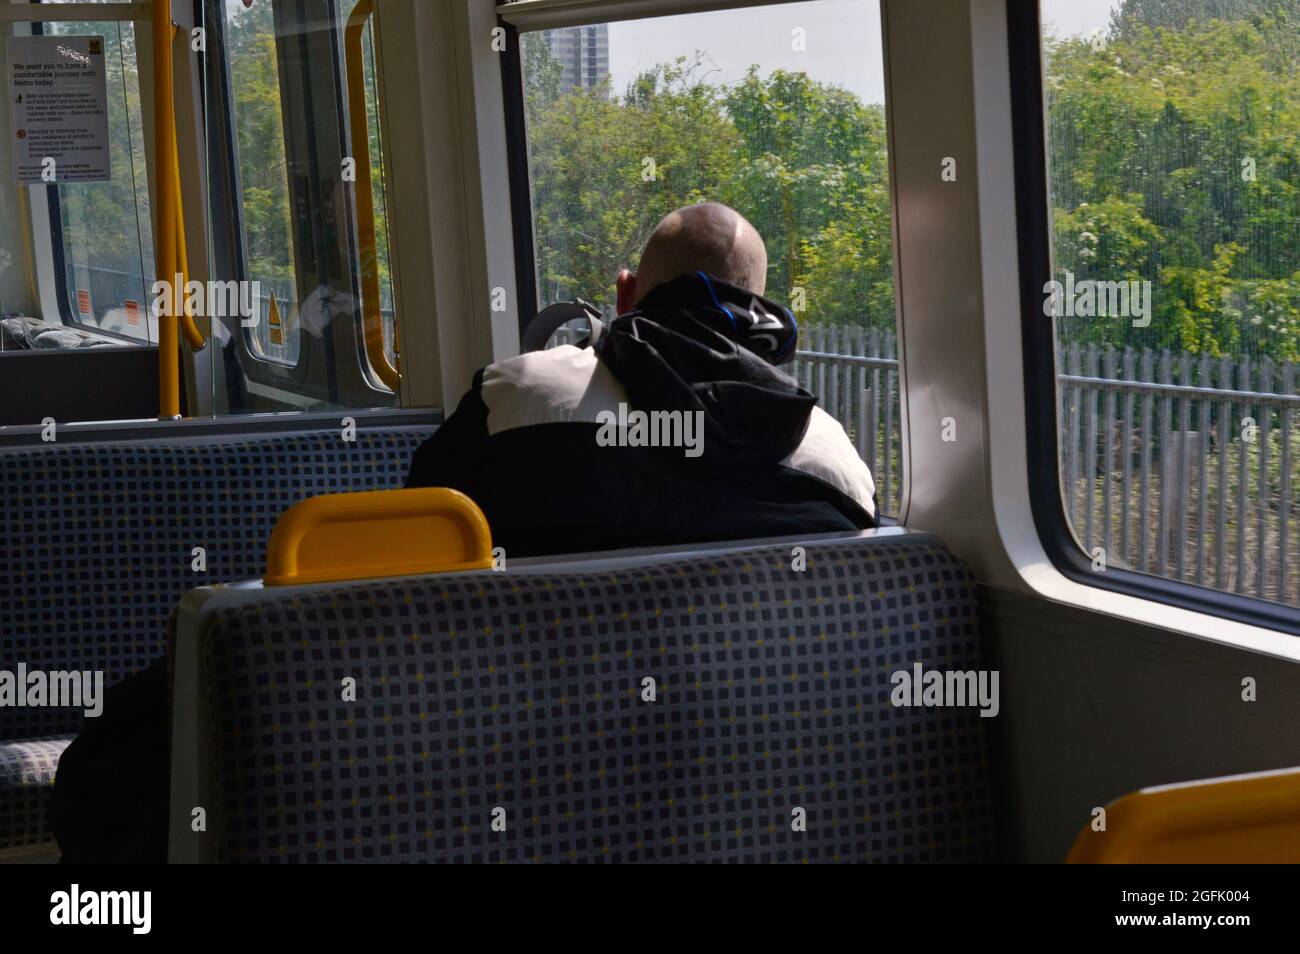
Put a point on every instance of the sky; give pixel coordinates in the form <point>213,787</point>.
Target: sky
<point>842,40</point>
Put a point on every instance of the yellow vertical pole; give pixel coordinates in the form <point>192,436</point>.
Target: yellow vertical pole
<point>168,182</point>
<point>368,249</point>
<point>193,336</point>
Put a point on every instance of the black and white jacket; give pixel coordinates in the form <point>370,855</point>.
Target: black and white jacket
<point>676,427</point>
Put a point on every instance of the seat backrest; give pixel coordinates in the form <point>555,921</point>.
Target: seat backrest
<point>710,705</point>
<point>98,539</point>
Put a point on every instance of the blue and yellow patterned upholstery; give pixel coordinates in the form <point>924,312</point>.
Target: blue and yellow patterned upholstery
<point>97,539</point>
<point>524,691</point>
<point>97,543</point>
<point>27,768</point>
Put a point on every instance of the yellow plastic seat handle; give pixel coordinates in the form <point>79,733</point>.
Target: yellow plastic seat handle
<point>1239,819</point>
<point>378,533</point>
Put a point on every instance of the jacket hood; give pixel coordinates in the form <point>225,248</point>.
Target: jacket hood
<point>697,343</point>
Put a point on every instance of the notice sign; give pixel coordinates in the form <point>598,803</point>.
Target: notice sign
<point>58,99</point>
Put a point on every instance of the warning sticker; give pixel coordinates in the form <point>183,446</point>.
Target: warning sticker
<point>58,99</point>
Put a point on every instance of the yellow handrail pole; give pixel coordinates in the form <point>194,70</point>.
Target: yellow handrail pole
<point>165,215</point>
<point>372,320</point>
<point>25,213</point>
<point>191,330</point>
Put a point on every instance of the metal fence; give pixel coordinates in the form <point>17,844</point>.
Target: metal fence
<point>1184,465</point>
<point>854,373</point>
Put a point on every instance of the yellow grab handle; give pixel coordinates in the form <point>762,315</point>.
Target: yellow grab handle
<point>191,331</point>
<point>1237,819</point>
<point>378,533</point>
<point>166,214</point>
<point>372,320</point>
<point>169,225</point>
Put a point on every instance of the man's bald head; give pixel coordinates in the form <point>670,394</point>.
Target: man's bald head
<point>708,237</point>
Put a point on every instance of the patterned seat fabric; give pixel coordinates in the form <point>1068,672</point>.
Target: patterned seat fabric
<point>523,698</point>
<point>98,539</point>
<point>27,770</point>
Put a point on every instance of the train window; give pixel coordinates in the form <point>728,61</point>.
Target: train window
<point>106,228</point>
<point>1175,290</point>
<point>626,121</point>
<point>95,237</point>
<point>263,176</point>
<point>289,154</point>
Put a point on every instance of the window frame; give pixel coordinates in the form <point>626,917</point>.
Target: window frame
<point>519,179</point>
<point>1038,337</point>
<point>230,255</point>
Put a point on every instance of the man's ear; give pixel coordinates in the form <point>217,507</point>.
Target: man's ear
<point>626,285</point>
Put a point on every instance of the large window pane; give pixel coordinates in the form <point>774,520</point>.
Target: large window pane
<point>263,175</point>
<point>775,110</point>
<point>107,227</point>
<point>1176,245</point>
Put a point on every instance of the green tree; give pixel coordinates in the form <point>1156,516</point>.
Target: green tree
<point>813,178</point>
<point>804,161</point>
<point>259,135</point>
<point>1179,143</point>
<point>606,168</point>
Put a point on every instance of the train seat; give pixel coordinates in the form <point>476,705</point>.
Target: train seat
<point>27,768</point>
<point>708,703</point>
<point>98,537</point>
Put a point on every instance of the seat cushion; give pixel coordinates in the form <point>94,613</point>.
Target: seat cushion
<point>27,768</point>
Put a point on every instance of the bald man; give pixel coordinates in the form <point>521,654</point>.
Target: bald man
<point>710,238</point>
<point>676,426</point>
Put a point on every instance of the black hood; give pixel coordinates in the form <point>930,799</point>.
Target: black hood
<point>697,343</point>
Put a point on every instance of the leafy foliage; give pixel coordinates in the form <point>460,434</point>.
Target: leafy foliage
<point>1174,152</point>
<point>1150,135</point>
<point>804,161</point>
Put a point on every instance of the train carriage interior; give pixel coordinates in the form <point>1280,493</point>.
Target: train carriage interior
<point>967,529</point>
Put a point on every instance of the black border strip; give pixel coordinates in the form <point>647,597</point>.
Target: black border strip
<point>1029,136</point>
<point>521,195</point>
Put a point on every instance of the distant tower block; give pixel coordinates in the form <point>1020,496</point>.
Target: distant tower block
<point>583,52</point>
